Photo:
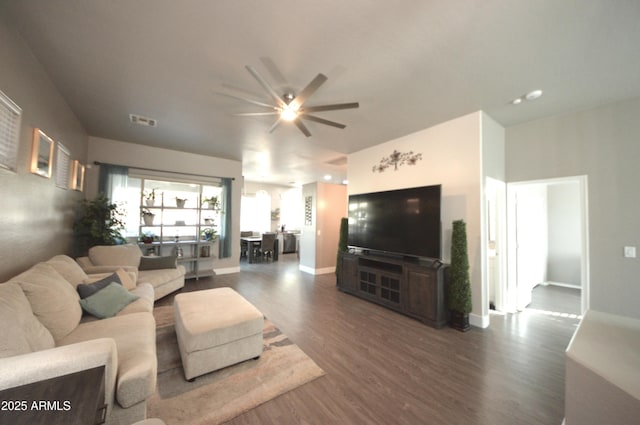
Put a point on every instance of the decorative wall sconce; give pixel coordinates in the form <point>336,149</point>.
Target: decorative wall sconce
<point>397,159</point>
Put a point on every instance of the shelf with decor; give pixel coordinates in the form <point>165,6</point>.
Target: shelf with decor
<point>174,220</point>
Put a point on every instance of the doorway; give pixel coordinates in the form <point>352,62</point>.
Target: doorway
<point>547,244</point>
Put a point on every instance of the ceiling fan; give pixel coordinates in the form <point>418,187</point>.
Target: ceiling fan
<point>290,107</point>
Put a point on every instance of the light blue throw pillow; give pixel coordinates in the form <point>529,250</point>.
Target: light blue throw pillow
<point>108,301</point>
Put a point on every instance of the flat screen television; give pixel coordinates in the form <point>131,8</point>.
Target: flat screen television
<point>404,222</point>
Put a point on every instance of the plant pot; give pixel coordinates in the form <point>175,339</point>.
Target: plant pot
<point>148,219</point>
<point>150,202</point>
<point>180,203</point>
<point>459,321</point>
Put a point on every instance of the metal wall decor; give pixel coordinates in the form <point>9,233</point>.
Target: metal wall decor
<point>396,159</point>
<point>308,210</point>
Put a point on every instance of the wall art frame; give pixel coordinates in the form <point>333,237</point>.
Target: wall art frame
<point>42,154</point>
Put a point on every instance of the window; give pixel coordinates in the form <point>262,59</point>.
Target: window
<point>10,115</point>
<point>256,212</point>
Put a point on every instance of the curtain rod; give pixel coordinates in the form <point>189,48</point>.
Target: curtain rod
<point>163,171</point>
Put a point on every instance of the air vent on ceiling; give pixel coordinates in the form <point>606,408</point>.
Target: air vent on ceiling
<point>146,121</point>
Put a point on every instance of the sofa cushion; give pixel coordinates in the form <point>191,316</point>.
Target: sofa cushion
<point>108,301</point>
<point>68,268</point>
<point>158,262</point>
<point>144,303</point>
<point>135,337</point>
<point>85,290</point>
<point>115,255</point>
<point>53,300</point>
<point>20,330</point>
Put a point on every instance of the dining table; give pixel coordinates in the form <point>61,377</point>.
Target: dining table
<point>255,242</point>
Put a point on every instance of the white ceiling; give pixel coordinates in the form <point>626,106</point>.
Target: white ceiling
<point>410,64</point>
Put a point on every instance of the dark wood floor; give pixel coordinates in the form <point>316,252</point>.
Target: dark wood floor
<point>385,368</point>
<point>556,299</point>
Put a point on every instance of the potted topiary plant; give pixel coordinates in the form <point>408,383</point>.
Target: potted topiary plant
<point>342,247</point>
<point>459,286</point>
<point>98,222</point>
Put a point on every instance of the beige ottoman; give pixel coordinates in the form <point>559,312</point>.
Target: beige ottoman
<point>216,328</point>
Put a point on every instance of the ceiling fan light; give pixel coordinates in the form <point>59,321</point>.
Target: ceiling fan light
<point>288,114</point>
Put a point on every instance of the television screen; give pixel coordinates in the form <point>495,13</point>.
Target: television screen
<point>405,221</point>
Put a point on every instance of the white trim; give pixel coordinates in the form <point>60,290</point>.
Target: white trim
<point>563,285</point>
<point>480,321</point>
<point>310,270</point>
<point>511,243</point>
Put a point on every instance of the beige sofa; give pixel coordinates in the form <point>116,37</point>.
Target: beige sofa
<point>102,259</point>
<point>43,335</point>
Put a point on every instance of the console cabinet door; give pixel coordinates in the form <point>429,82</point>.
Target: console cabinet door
<point>422,293</point>
<point>349,280</point>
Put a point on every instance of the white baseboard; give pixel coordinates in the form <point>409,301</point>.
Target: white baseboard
<point>478,320</point>
<point>227,270</point>
<point>313,271</point>
<point>564,285</point>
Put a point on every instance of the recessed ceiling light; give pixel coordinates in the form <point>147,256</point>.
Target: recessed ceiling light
<point>345,181</point>
<point>532,95</point>
<point>327,177</point>
<point>516,101</point>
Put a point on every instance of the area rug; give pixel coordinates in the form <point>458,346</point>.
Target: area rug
<point>222,395</point>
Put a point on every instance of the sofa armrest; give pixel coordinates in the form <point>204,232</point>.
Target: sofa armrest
<point>92,270</point>
<point>93,277</point>
<point>58,361</point>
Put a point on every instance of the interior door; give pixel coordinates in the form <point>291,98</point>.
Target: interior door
<point>531,242</point>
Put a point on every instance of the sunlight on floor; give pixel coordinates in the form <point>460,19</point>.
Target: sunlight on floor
<point>553,313</point>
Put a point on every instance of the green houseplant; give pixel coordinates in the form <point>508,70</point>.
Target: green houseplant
<point>147,217</point>
<point>213,201</point>
<point>150,198</point>
<point>459,287</point>
<point>209,234</point>
<point>98,222</point>
<point>342,247</point>
<point>147,237</point>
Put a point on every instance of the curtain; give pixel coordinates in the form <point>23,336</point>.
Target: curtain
<point>111,178</point>
<point>226,225</point>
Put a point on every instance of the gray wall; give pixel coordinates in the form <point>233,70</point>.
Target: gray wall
<point>36,216</point>
<point>604,144</point>
<point>563,262</point>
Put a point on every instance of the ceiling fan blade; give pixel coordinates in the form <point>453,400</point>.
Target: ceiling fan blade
<point>322,120</point>
<point>275,124</point>
<point>306,92</point>
<point>302,127</point>
<point>255,114</point>
<point>274,71</point>
<point>266,86</point>
<point>334,107</point>
<point>255,102</point>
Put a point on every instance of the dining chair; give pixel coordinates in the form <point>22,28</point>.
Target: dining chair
<point>267,246</point>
